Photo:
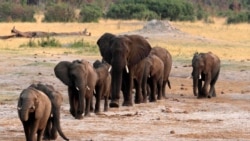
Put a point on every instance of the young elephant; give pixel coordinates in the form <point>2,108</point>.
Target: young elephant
<point>166,58</point>
<point>206,67</point>
<point>81,78</point>
<point>34,109</point>
<point>148,71</point>
<point>56,98</point>
<point>103,84</point>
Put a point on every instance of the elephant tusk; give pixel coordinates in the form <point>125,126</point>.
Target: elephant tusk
<point>88,87</point>
<point>94,91</point>
<point>127,68</point>
<point>77,88</point>
<point>19,108</point>
<point>110,68</point>
<point>199,76</point>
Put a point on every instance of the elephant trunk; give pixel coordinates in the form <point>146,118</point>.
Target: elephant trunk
<point>115,87</point>
<point>23,114</point>
<point>195,86</point>
<point>57,124</point>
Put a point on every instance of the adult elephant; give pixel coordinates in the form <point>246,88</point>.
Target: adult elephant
<point>53,124</point>
<point>206,67</point>
<point>34,109</point>
<point>81,78</point>
<point>103,84</point>
<point>166,58</point>
<point>122,53</point>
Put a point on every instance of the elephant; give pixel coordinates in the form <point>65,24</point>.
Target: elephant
<point>34,110</point>
<point>56,98</point>
<point>166,58</point>
<point>103,85</point>
<point>122,53</point>
<point>81,78</point>
<point>149,70</point>
<point>206,67</point>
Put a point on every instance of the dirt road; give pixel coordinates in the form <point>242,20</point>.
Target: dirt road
<point>179,117</point>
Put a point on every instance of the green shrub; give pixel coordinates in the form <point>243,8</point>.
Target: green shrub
<point>15,12</point>
<point>239,18</point>
<point>49,42</point>
<point>90,13</point>
<point>59,13</point>
<point>83,46</point>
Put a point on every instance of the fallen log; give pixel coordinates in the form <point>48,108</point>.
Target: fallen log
<point>39,34</point>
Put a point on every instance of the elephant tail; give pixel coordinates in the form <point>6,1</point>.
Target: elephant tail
<point>57,123</point>
<point>169,85</point>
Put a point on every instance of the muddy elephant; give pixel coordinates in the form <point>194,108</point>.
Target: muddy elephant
<point>166,58</point>
<point>148,72</point>
<point>53,124</point>
<point>103,85</point>
<point>34,110</point>
<point>122,53</point>
<point>81,78</point>
<point>206,67</point>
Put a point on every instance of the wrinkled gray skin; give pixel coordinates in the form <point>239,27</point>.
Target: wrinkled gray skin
<point>166,58</point>
<point>34,109</point>
<point>103,85</point>
<point>122,53</point>
<point>81,78</point>
<point>56,98</point>
<point>206,67</point>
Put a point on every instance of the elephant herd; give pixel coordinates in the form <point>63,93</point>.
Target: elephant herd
<point>128,62</point>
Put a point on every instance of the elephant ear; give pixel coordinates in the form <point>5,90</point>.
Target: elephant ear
<point>104,44</point>
<point>62,72</point>
<point>139,48</point>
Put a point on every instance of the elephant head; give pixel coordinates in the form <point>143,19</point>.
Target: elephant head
<point>28,103</point>
<point>122,53</point>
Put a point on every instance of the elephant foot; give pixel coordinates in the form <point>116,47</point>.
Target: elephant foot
<point>127,103</point>
<point>78,117</point>
<point>138,101</point>
<point>114,104</point>
<point>208,96</point>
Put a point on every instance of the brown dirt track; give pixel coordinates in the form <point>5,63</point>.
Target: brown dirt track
<point>179,117</point>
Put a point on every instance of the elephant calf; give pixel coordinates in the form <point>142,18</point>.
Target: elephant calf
<point>56,98</point>
<point>206,67</point>
<point>34,109</point>
<point>103,85</point>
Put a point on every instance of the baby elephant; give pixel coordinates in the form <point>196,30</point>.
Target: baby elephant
<point>34,110</point>
<point>103,84</point>
<point>53,124</point>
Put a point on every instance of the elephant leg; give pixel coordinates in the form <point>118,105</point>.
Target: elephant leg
<point>98,100</point>
<point>200,92</point>
<point>127,85</point>
<point>159,90</point>
<point>106,98</point>
<point>206,84</point>
<point>138,94</point>
<point>26,128</point>
<point>87,107</point>
<point>40,134</point>
<point>47,133</point>
<point>34,131</point>
<point>144,92</point>
<point>91,105</point>
<point>152,89</point>
<point>164,88</point>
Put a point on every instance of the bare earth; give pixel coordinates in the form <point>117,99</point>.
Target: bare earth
<point>179,117</point>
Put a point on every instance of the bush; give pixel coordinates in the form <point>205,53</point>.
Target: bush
<point>49,42</point>
<point>59,13</point>
<point>239,18</point>
<point>15,12</point>
<point>90,13</point>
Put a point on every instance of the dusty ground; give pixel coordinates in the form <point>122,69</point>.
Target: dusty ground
<point>179,117</point>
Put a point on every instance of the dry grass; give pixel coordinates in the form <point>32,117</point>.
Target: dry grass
<point>228,41</point>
